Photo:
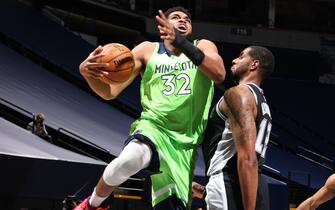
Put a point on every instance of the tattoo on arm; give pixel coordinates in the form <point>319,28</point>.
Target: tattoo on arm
<point>241,113</point>
<point>241,116</point>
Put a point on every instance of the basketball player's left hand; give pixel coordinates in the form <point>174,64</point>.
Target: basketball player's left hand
<point>165,27</point>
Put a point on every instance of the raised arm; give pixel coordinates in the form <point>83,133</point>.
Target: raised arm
<point>93,71</point>
<point>205,54</point>
<point>212,64</point>
<point>241,112</point>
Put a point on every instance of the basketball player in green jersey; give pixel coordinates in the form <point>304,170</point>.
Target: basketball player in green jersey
<point>176,94</point>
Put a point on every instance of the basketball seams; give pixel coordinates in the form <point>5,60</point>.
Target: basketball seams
<point>114,58</point>
<point>121,63</point>
<point>115,80</point>
<point>123,69</point>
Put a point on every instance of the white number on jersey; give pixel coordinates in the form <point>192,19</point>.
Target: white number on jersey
<point>171,84</point>
<point>263,134</point>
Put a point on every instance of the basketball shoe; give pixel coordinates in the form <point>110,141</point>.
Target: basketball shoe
<point>85,205</point>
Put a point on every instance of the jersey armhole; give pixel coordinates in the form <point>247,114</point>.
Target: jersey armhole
<point>152,55</point>
<point>253,92</point>
<point>218,111</point>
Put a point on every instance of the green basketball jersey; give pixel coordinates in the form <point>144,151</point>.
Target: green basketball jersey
<point>176,98</point>
<point>175,95</point>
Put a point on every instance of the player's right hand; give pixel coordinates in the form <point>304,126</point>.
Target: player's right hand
<point>90,67</point>
<point>165,28</point>
<point>198,190</point>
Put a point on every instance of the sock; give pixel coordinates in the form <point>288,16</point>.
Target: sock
<point>95,200</point>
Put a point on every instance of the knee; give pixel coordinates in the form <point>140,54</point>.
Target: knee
<point>120,169</point>
<point>132,159</point>
<point>115,173</point>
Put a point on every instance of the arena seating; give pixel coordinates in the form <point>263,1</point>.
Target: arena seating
<point>65,106</point>
<point>35,169</point>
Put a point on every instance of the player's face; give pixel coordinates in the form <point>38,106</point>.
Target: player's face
<point>181,22</point>
<point>241,64</point>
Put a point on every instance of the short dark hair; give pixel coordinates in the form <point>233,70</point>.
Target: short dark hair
<point>266,60</point>
<point>179,9</point>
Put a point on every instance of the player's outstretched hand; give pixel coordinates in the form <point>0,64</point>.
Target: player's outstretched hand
<point>165,28</point>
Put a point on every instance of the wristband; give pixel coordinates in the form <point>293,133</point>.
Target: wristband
<point>191,51</point>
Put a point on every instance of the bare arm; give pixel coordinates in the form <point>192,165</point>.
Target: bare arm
<point>212,65</point>
<point>93,71</point>
<point>241,112</point>
<point>323,195</point>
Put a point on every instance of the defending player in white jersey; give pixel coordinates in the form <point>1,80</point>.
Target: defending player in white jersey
<point>237,135</point>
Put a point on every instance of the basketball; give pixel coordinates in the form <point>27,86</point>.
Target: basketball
<point>120,61</point>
